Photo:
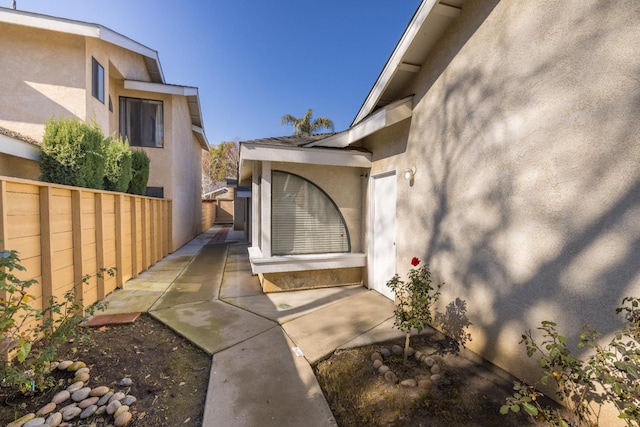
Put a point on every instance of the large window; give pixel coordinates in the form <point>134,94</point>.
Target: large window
<point>141,122</point>
<point>304,220</point>
<point>97,80</point>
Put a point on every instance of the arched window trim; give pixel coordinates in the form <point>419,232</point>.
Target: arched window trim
<point>329,198</point>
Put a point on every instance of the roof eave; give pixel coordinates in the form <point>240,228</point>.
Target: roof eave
<point>383,118</point>
<point>422,26</point>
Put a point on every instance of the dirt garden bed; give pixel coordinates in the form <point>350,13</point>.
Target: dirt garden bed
<point>469,391</point>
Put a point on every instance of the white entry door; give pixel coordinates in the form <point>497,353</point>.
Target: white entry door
<point>383,225</point>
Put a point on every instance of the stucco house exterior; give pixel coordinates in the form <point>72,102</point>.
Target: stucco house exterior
<point>56,67</point>
<point>501,146</point>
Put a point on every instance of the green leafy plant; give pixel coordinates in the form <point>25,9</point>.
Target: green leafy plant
<point>72,153</point>
<point>117,173</point>
<point>30,337</point>
<point>610,374</point>
<point>414,300</point>
<point>139,173</point>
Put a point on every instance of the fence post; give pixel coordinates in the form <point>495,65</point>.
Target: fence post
<point>46,247</point>
<point>134,236</point>
<point>99,242</point>
<point>145,234</point>
<point>119,236</point>
<point>169,227</point>
<point>78,246</point>
<point>3,216</point>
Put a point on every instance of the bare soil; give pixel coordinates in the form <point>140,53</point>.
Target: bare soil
<point>170,375</point>
<point>471,393</point>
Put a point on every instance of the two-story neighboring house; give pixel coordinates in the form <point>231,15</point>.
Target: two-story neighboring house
<point>55,67</point>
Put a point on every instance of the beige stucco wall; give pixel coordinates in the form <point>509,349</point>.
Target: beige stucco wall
<point>526,200</point>
<point>43,76</point>
<point>343,185</point>
<point>186,177</point>
<point>47,73</point>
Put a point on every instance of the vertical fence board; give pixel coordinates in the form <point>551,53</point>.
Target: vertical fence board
<point>65,233</point>
<point>78,247</point>
<point>100,242</point>
<point>46,237</point>
<point>134,236</point>
<point>119,237</point>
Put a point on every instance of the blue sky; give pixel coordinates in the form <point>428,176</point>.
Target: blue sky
<point>254,61</point>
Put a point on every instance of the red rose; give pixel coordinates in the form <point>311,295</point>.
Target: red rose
<point>415,261</point>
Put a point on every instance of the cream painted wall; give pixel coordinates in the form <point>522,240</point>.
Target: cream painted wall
<point>48,74</point>
<point>43,76</point>
<point>526,200</point>
<point>186,176</point>
<point>345,187</point>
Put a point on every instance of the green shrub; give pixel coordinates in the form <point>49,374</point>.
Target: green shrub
<point>117,172</point>
<point>21,325</point>
<point>611,374</point>
<point>139,172</point>
<point>414,300</point>
<point>72,153</point>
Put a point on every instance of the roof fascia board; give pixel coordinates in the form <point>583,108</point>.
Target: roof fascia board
<point>50,23</point>
<point>204,142</point>
<point>160,88</point>
<point>117,39</point>
<point>395,61</point>
<point>385,117</point>
<point>313,156</point>
<point>18,148</point>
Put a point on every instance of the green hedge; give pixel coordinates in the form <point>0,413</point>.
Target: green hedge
<point>75,153</point>
<point>72,153</point>
<point>140,173</point>
<point>117,173</point>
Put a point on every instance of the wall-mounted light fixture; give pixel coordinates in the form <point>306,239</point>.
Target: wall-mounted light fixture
<point>410,173</point>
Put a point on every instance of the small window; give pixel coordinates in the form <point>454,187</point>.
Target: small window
<point>155,192</point>
<point>304,219</point>
<point>97,80</point>
<point>141,122</point>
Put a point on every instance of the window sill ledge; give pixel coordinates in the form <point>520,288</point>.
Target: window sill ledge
<point>280,264</point>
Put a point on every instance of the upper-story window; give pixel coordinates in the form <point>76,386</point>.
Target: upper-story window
<point>141,122</point>
<point>97,80</point>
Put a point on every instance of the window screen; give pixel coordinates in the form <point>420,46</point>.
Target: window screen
<point>304,220</point>
<point>97,80</point>
<point>141,122</point>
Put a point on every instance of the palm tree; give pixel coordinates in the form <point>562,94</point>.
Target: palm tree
<point>305,125</point>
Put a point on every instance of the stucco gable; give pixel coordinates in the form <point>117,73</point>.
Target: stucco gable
<point>85,29</point>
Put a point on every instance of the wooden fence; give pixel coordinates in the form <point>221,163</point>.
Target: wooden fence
<point>63,233</point>
<point>209,208</point>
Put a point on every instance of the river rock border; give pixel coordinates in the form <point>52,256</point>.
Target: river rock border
<point>80,402</point>
<point>423,381</point>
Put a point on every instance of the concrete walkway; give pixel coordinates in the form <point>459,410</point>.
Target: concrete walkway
<point>263,345</point>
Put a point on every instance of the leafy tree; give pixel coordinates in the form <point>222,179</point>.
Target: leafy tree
<point>306,125</point>
<point>220,163</point>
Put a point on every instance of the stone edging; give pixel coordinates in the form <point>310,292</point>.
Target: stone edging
<point>436,374</point>
<point>82,402</point>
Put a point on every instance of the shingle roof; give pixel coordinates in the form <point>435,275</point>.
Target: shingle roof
<point>290,141</point>
<point>16,135</point>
